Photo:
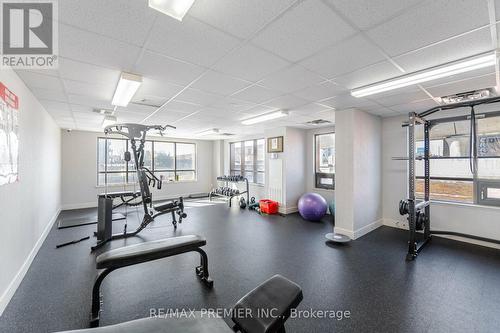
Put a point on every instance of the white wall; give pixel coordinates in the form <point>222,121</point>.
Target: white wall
<point>358,191</point>
<point>310,172</point>
<point>29,207</point>
<point>295,153</point>
<point>79,170</point>
<point>477,220</point>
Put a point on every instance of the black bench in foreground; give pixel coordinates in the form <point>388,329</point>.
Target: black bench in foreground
<point>144,252</point>
<point>263,310</point>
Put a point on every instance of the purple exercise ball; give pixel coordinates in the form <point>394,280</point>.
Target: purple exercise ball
<point>312,206</point>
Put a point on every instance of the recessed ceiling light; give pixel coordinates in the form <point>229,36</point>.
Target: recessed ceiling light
<point>427,75</point>
<point>173,8</point>
<point>265,117</point>
<point>126,89</point>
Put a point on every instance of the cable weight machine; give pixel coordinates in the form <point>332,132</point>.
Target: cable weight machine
<point>136,134</point>
<point>419,213</point>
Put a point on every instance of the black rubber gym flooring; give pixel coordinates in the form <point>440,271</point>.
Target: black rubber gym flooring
<point>451,287</point>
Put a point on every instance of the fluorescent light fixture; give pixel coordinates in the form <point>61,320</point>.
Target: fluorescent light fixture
<point>173,8</point>
<point>212,131</point>
<point>427,75</point>
<point>126,89</point>
<point>265,117</point>
<point>108,121</point>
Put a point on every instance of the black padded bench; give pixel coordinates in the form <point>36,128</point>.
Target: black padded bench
<point>144,252</point>
<point>275,298</point>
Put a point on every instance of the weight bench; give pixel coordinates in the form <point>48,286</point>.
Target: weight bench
<point>144,252</point>
<point>275,299</point>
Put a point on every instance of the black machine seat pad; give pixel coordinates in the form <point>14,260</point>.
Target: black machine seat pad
<point>277,294</point>
<point>120,194</point>
<point>143,252</point>
<point>197,324</point>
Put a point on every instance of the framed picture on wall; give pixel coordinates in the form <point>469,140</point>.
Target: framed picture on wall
<point>275,145</point>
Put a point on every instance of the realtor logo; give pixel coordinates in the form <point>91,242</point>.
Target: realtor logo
<point>29,34</point>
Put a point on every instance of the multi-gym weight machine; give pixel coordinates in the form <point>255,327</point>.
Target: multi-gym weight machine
<point>136,133</point>
<point>419,213</point>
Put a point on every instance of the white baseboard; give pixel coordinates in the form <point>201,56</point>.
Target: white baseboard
<point>14,284</point>
<point>367,228</point>
<point>343,231</point>
<point>93,204</point>
<point>361,231</point>
<point>404,225</point>
<point>288,210</point>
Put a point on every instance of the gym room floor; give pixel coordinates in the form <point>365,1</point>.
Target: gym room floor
<point>451,287</point>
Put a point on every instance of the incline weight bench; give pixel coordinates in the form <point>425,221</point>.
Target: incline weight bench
<point>274,298</point>
<point>144,252</point>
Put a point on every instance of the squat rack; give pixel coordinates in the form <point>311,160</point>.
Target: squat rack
<point>419,213</point>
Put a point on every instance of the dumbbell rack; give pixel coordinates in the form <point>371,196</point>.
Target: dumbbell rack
<point>226,184</point>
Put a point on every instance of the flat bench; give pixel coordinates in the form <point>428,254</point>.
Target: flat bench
<point>274,298</point>
<point>144,252</point>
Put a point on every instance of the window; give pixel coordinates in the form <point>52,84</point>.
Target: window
<point>324,148</point>
<point>247,158</point>
<point>173,161</point>
<point>452,178</point>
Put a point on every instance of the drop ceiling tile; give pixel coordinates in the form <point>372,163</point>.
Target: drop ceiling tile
<point>163,68</point>
<point>368,13</point>
<point>256,94</point>
<point>91,102</point>
<point>451,50</point>
<point>368,75</point>
<point>35,80</point>
<point>84,72</point>
<point>52,95</point>
<point>287,102</point>
<point>475,83</point>
<point>88,117</point>
<point>291,79</point>
<point>303,30</point>
<point>182,107</point>
<point>232,104</point>
<point>312,108</point>
<point>320,91</point>
<point>189,40</point>
<point>250,63</point>
<point>96,49</point>
<point>399,96</point>
<point>441,18</point>
<point>198,97</point>
<point>217,83</point>
<point>54,107</point>
<point>128,21</point>
<point>240,18</point>
<point>152,91</point>
<point>347,101</point>
<point>347,56</point>
<point>215,112</point>
<point>104,92</point>
<point>418,106</point>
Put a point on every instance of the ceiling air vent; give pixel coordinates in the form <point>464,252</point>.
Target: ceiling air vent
<point>318,122</point>
<point>104,112</point>
<point>467,96</point>
<point>227,134</point>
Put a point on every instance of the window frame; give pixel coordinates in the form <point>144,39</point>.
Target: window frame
<point>318,176</point>
<point>242,171</point>
<point>130,170</point>
<point>480,185</point>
